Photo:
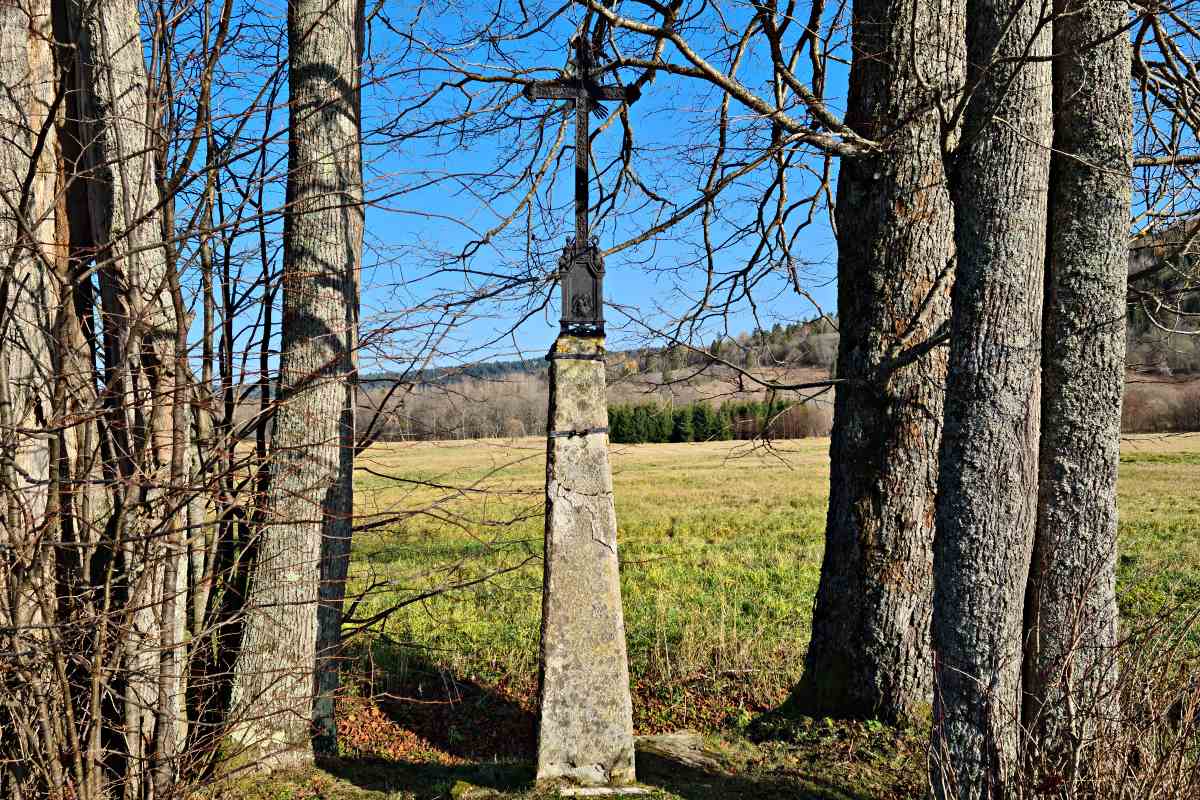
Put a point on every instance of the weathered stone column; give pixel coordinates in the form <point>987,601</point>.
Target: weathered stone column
<point>586,731</point>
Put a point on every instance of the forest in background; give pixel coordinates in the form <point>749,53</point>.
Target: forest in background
<point>508,398</point>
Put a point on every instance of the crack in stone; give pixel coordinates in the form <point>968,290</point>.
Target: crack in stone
<point>586,732</point>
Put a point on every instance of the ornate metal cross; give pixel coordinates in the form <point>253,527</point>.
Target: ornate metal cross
<point>582,309</point>
<point>586,93</point>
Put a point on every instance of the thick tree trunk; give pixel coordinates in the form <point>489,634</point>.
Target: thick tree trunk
<point>30,695</point>
<point>46,431</point>
<point>870,653</point>
<point>1071,611</point>
<point>25,288</point>
<point>111,123</point>
<point>304,551</point>
<point>987,484</point>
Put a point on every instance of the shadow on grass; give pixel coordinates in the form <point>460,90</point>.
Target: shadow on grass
<point>457,716</point>
<point>842,758</point>
<point>453,731</point>
<point>691,783</point>
<point>429,780</point>
<point>427,729</point>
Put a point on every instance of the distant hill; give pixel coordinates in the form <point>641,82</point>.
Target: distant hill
<point>800,345</point>
<point>441,375</point>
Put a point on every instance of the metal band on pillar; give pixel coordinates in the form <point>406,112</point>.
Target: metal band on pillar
<point>569,434</point>
<point>553,356</point>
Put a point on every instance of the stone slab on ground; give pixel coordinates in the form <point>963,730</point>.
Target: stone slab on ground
<point>684,747</point>
<point>603,791</point>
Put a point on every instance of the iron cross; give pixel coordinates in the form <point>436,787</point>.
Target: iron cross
<point>586,93</point>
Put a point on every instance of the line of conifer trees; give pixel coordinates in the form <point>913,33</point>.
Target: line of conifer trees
<point>640,423</point>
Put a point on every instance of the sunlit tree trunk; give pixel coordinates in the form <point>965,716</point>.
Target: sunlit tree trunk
<point>987,486</point>
<point>30,696</point>
<point>286,673</point>
<point>870,654</point>
<point>26,294</point>
<point>1071,612</point>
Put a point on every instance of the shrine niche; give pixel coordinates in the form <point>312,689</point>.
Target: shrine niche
<point>581,274</point>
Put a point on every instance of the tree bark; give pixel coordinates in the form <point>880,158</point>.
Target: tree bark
<point>1071,606</point>
<point>25,288</point>
<point>870,655</point>
<point>987,484</point>
<point>116,167</point>
<point>30,695</point>
<point>304,551</point>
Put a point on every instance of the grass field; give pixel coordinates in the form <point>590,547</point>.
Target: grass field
<point>720,547</point>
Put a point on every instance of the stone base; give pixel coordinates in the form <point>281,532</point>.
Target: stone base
<point>585,736</point>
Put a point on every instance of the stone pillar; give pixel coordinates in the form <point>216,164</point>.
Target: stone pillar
<point>586,730</point>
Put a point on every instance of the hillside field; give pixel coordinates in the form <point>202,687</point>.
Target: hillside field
<point>721,546</point>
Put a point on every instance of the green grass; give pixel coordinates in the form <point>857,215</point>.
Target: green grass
<point>1159,543</point>
<point>720,547</point>
<point>720,550</point>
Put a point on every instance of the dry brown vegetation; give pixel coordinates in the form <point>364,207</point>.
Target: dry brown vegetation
<point>514,404</point>
<point>1158,404</point>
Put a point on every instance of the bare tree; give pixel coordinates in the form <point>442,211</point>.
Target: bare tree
<point>304,550</point>
<point>92,653</point>
<point>869,655</point>
<point>123,207</point>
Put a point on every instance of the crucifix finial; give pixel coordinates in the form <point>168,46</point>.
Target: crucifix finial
<point>585,91</point>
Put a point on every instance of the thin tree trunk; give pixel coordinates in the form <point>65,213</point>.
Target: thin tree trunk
<point>987,484</point>
<point>1071,611</point>
<point>870,653</point>
<point>170,716</point>
<point>303,554</point>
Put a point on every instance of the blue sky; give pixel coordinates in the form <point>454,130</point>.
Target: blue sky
<point>422,216</point>
<point>671,124</point>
